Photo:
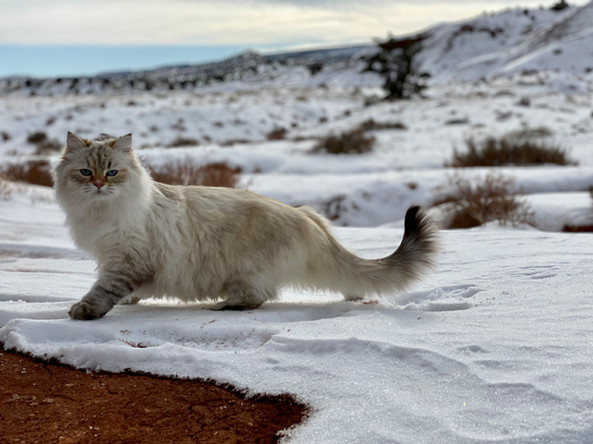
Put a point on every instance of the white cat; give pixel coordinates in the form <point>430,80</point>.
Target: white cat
<point>200,243</point>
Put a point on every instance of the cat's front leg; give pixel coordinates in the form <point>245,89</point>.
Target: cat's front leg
<point>109,289</point>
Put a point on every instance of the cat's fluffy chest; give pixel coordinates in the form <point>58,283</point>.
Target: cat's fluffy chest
<point>103,229</point>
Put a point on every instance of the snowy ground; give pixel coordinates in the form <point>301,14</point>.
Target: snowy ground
<point>406,166</point>
<point>495,345</point>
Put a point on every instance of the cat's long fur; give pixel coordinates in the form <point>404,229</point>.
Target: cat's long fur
<point>199,243</point>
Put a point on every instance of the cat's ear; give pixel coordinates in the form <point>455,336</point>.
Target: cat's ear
<point>123,143</point>
<point>74,143</point>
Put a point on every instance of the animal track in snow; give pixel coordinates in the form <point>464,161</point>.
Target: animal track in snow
<point>537,272</point>
<point>448,298</point>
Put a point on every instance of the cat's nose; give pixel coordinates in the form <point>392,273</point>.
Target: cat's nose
<point>99,185</point>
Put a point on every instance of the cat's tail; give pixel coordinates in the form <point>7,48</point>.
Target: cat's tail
<point>356,277</point>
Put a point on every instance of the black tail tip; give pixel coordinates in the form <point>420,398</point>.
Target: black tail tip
<point>413,219</point>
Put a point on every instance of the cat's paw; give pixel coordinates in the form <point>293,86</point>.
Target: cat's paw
<point>83,311</point>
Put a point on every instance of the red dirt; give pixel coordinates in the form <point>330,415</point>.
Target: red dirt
<point>578,229</point>
<point>44,402</point>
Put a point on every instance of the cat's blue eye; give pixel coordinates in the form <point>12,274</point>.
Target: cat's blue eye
<point>111,173</point>
<point>86,172</point>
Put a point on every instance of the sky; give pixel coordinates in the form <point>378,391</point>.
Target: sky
<point>73,37</point>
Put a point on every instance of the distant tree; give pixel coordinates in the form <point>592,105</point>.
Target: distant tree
<point>395,61</point>
<point>560,6</point>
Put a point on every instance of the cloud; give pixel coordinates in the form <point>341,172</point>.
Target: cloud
<point>179,22</point>
<point>223,22</point>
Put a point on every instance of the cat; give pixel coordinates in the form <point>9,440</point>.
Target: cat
<point>204,243</point>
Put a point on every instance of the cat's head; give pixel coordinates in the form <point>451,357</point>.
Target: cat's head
<point>97,169</point>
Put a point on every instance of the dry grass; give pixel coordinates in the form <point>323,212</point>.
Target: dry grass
<point>181,172</point>
<point>188,172</point>
<point>350,142</point>
<point>5,189</point>
<point>472,202</point>
<point>528,146</point>
<point>277,134</point>
<point>183,141</point>
<point>37,137</point>
<point>372,125</point>
<point>36,172</point>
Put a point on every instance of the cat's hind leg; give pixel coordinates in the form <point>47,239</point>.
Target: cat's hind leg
<point>130,300</point>
<point>243,295</point>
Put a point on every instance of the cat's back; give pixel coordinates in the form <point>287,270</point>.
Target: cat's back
<point>217,203</point>
<point>214,197</point>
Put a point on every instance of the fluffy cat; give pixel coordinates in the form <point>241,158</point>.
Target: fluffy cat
<point>200,243</point>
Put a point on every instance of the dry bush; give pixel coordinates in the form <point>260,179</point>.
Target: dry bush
<point>350,142</point>
<point>472,202</point>
<point>37,137</point>
<point>36,172</point>
<point>48,147</point>
<point>527,146</point>
<point>187,172</point>
<point>457,121</point>
<point>371,124</point>
<point>183,141</point>
<point>277,134</point>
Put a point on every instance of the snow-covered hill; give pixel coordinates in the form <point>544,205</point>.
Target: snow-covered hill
<point>506,43</point>
<point>511,42</point>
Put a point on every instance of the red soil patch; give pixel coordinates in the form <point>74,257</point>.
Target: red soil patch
<point>43,402</point>
<point>578,229</point>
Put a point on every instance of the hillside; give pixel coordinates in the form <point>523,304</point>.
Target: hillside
<point>512,42</point>
<point>506,43</point>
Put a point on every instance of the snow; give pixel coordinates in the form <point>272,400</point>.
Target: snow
<point>513,41</point>
<point>496,344</point>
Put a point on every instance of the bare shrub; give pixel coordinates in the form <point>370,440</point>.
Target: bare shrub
<point>371,125</point>
<point>188,172</point>
<point>37,137</point>
<point>457,121</point>
<point>183,141</point>
<point>527,146</point>
<point>48,147</point>
<point>36,172</point>
<point>472,202</point>
<point>277,134</point>
<point>334,207</point>
<point>350,142</point>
